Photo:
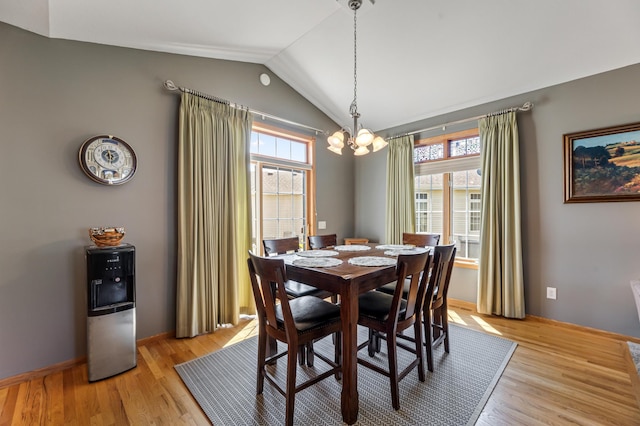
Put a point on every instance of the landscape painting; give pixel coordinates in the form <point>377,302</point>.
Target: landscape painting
<point>602,165</point>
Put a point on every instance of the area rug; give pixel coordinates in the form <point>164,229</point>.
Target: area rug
<point>224,384</point>
<point>634,349</point>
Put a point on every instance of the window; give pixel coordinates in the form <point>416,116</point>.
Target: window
<point>422,210</point>
<point>447,185</point>
<point>281,185</point>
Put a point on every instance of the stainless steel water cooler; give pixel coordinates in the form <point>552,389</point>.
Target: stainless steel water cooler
<point>111,310</point>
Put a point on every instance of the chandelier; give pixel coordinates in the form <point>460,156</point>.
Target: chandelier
<point>359,138</point>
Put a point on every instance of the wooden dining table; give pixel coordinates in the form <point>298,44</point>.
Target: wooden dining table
<point>349,281</point>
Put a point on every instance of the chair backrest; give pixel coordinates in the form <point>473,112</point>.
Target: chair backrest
<point>322,241</point>
<point>421,240</point>
<point>281,246</point>
<point>267,282</point>
<point>409,269</point>
<point>443,259</point>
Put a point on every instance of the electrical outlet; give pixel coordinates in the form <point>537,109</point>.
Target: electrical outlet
<point>322,225</point>
<point>551,293</point>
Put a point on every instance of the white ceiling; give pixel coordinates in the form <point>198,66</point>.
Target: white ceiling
<point>416,58</point>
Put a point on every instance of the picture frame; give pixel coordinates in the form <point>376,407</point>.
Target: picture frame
<point>602,165</point>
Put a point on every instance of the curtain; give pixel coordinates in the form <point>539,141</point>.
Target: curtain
<point>214,219</point>
<point>401,209</point>
<point>500,277</point>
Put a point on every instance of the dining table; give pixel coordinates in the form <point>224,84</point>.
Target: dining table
<point>349,281</point>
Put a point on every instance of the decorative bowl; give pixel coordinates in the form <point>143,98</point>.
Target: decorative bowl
<point>106,237</point>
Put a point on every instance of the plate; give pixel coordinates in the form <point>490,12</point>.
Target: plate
<point>317,253</point>
<point>317,262</point>
<point>414,250</point>
<point>395,246</point>
<point>372,261</point>
<point>353,247</point>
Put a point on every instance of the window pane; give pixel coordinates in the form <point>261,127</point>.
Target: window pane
<point>298,183</point>
<point>461,147</point>
<point>428,152</point>
<point>283,148</point>
<point>254,142</point>
<point>465,214</point>
<point>429,203</point>
<point>266,145</point>
<point>299,151</point>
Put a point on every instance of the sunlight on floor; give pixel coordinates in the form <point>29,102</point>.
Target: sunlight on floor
<point>454,317</point>
<point>249,329</point>
<point>485,325</point>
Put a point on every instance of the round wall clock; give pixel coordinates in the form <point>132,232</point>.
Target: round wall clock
<point>107,160</point>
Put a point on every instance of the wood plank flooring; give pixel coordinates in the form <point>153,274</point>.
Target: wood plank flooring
<point>560,374</point>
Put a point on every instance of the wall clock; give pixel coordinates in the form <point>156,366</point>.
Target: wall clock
<point>107,160</point>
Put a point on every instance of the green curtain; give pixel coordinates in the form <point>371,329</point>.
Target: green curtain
<point>214,218</point>
<point>401,209</point>
<point>500,277</point>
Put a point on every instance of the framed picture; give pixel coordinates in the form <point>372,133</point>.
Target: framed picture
<point>602,165</point>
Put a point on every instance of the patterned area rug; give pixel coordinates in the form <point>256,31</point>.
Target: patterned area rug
<point>634,348</point>
<point>223,383</point>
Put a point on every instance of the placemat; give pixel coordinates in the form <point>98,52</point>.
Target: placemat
<point>395,246</point>
<point>317,262</point>
<point>317,253</point>
<point>372,261</point>
<point>353,247</point>
<point>414,250</point>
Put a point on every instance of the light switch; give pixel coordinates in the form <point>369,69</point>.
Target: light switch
<point>322,224</point>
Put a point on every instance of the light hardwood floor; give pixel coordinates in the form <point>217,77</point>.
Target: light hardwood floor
<point>560,374</point>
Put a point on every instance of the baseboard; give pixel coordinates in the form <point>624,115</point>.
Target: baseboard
<point>41,372</point>
<point>471,306</point>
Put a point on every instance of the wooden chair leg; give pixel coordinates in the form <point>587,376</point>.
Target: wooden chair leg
<point>262,352</point>
<point>393,370</point>
<point>428,339</point>
<point>371,346</point>
<point>417,329</point>
<point>310,354</point>
<point>302,351</point>
<point>290,393</point>
<point>337,358</point>
<point>445,327</point>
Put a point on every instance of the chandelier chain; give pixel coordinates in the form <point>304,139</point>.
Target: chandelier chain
<point>354,104</point>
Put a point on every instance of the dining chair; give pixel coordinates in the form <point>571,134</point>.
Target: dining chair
<point>295,289</point>
<point>418,240</point>
<point>295,322</point>
<point>421,240</point>
<point>322,241</point>
<point>435,315</point>
<point>389,315</point>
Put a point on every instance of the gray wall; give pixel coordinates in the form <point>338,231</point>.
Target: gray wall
<point>588,251</point>
<point>55,95</point>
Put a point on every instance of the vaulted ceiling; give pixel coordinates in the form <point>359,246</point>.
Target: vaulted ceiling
<point>416,58</point>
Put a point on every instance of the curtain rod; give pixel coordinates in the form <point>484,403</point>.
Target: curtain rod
<point>525,107</point>
<point>169,85</point>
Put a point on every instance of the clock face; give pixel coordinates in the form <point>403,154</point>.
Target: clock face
<point>108,160</point>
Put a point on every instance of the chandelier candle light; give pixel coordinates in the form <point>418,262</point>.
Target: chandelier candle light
<point>359,142</point>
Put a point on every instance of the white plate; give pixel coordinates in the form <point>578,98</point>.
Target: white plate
<point>317,253</point>
<point>395,246</point>
<point>317,262</point>
<point>372,261</point>
<point>354,247</point>
<point>414,250</point>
